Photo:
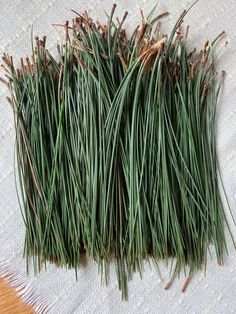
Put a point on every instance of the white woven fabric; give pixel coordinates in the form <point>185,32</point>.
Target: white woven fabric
<point>56,290</point>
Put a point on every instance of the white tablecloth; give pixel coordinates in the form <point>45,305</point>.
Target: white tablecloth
<point>56,290</point>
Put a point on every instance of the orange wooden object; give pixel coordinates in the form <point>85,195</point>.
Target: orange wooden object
<point>10,302</point>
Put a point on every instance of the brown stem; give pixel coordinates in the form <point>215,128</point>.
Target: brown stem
<point>119,54</point>
<point>183,289</point>
<point>215,40</point>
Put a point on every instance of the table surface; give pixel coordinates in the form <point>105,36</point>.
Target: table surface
<point>10,303</point>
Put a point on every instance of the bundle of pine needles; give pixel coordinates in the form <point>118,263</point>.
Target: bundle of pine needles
<point>116,148</point>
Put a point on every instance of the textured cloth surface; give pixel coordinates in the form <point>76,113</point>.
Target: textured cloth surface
<point>57,288</point>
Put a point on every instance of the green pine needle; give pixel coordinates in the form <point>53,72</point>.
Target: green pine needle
<point>116,148</point>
